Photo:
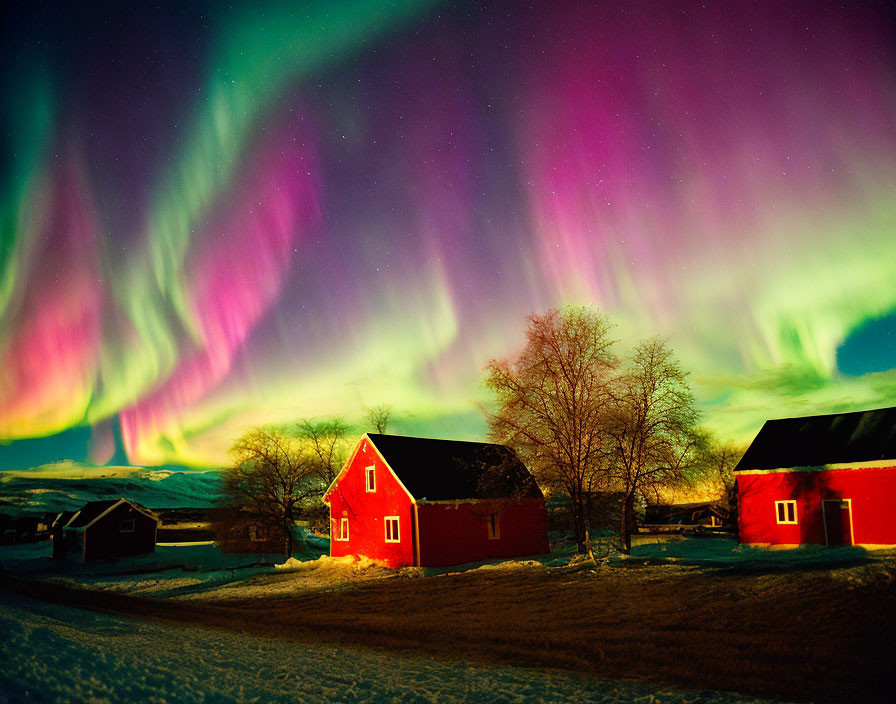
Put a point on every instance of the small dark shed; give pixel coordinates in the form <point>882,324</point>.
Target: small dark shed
<point>109,529</point>
<point>57,527</point>
<point>707,513</point>
<point>240,533</point>
<point>24,529</point>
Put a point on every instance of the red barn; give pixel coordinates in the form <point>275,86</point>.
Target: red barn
<point>825,480</point>
<point>418,501</point>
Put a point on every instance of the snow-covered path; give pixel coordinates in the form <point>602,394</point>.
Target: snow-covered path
<point>53,653</point>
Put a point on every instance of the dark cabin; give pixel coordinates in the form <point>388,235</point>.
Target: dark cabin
<point>239,533</point>
<point>707,513</point>
<point>24,529</point>
<point>108,530</point>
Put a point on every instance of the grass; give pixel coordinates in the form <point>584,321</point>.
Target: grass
<point>809,636</point>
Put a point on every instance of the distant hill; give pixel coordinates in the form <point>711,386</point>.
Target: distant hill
<point>68,485</point>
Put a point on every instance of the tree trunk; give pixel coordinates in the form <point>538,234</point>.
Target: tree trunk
<point>630,513</point>
<point>625,536</point>
<point>287,531</point>
<point>578,519</point>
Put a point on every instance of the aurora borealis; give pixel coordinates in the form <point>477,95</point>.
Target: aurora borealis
<point>213,218</point>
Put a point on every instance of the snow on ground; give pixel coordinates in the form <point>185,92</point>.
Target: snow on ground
<point>169,571</point>
<point>853,564</point>
<point>201,571</point>
<point>54,653</point>
<point>509,565</point>
<point>293,576</point>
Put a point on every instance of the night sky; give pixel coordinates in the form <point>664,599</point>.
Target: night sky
<point>213,217</point>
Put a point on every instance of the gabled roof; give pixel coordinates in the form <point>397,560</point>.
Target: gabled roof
<point>94,510</point>
<point>447,470</point>
<point>63,518</point>
<point>815,441</point>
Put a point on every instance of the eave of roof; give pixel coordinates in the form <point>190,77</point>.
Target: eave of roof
<point>109,509</point>
<point>856,466</point>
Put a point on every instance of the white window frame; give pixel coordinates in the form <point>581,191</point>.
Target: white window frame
<point>396,533</point>
<point>343,530</point>
<point>781,510</point>
<point>493,525</point>
<point>370,478</point>
<point>132,527</point>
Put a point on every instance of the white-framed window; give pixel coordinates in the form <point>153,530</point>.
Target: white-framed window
<point>343,529</point>
<point>493,522</point>
<point>785,511</point>
<point>126,526</point>
<point>392,534</point>
<point>370,478</point>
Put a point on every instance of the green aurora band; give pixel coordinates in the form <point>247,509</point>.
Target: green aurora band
<point>315,208</point>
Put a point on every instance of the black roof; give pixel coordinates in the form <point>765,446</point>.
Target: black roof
<point>814,441</point>
<point>446,470</point>
<point>63,517</point>
<point>92,509</point>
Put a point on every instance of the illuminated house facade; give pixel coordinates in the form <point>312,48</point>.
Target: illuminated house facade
<point>824,480</point>
<point>419,501</point>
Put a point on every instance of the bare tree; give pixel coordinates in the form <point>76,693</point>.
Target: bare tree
<point>715,471</point>
<point>377,417</point>
<point>327,441</point>
<point>652,426</point>
<point>273,476</point>
<point>551,403</point>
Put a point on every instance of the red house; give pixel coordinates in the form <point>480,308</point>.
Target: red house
<point>825,480</point>
<point>418,501</point>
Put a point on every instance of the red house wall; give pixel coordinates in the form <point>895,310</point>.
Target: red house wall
<point>872,493</point>
<point>366,510</point>
<point>452,533</point>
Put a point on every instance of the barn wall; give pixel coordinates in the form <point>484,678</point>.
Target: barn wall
<point>872,493</point>
<point>105,539</point>
<point>453,533</point>
<point>366,511</point>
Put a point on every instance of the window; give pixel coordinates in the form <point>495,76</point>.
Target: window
<point>126,526</point>
<point>494,527</point>
<point>370,478</point>
<point>392,535</point>
<point>255,535</point>
<point>343,529</point>
<point>786,511</point>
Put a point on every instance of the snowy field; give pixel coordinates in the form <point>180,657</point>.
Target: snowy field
<point>59,653</point>
<point>201,571</point>
<point>53,653</point>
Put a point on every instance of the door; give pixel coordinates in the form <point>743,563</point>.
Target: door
<point>837,514</point>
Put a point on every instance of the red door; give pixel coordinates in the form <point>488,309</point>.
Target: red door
<point>837,522</point>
